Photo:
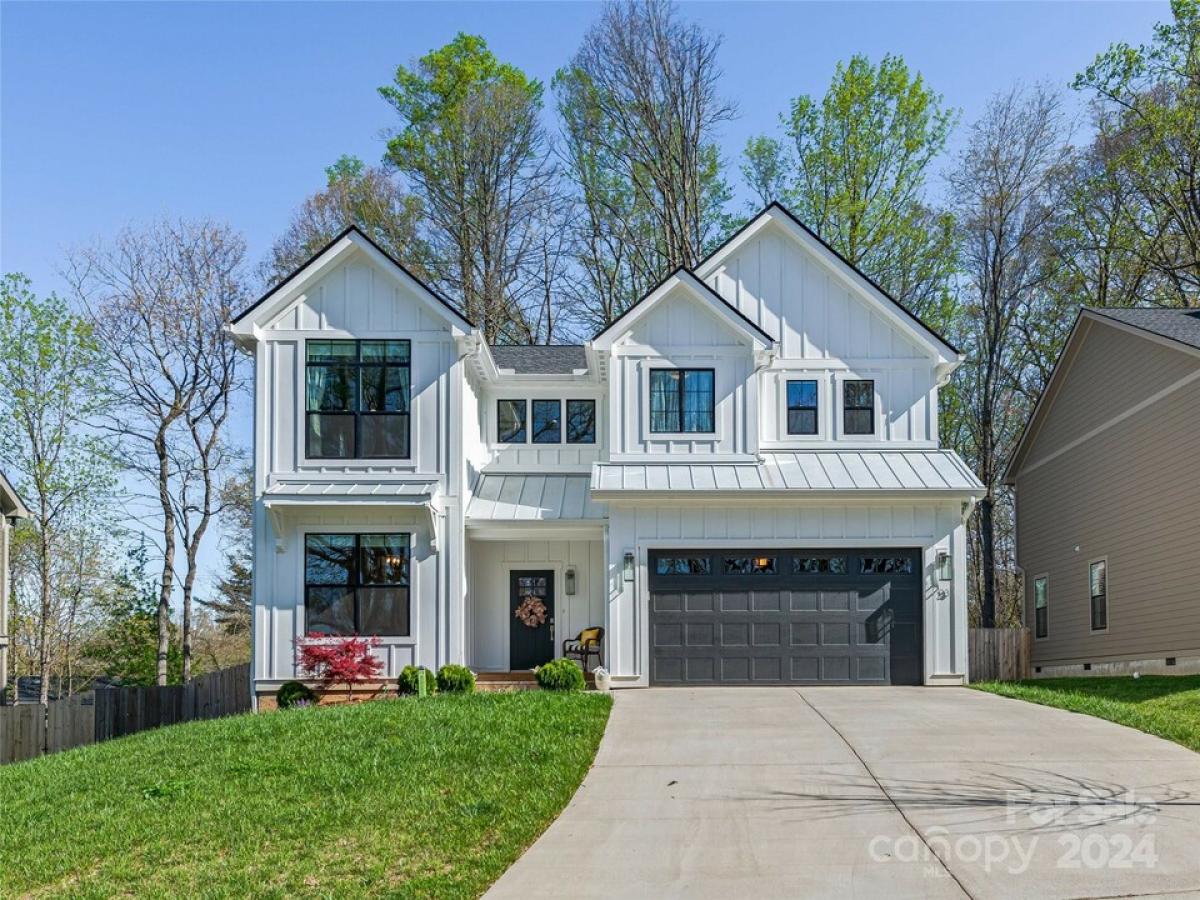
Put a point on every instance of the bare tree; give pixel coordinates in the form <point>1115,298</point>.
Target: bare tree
<point>1004,194</point>
<point>159,300</point>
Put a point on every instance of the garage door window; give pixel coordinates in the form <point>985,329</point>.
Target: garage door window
<point>750,565</point>
<point>886,565</point>
<point>819,565</point>
<point>683,565</point>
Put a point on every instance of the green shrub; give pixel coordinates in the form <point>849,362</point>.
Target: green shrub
<point>293,692</point>
<point>407,683</point>
<point>456,679</point>
<point>560,675</point>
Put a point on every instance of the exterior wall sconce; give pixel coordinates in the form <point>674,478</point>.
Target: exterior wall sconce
<point>627,567</point>
<point>570,579</point>
<point>943,568</point>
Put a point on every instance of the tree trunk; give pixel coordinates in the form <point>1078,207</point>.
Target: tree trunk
<point>168,569</point>
<point>987,551</point>
<point>44,629</point>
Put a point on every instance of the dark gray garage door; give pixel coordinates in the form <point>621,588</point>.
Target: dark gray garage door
<point>785,617</point>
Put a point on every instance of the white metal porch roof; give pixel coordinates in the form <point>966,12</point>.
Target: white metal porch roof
<point>798,472</point>
<point>533,498</point>
<point>304,492</point>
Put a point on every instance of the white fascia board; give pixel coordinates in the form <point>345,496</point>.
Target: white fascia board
<point>12,499</point>
<point>700,291</point>
<point>948,360</point>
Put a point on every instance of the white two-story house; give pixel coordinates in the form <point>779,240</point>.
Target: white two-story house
<point>739,479</point>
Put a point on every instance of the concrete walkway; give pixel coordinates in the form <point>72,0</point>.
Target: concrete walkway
<point>868,792</point>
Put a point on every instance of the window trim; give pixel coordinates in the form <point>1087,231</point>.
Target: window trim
<point>1045,576</point>
<point>873,435</point>
<point>357,533</point>
<point>302,423</point>
<point>788,434</point>
<point>1107,592</point>
<point>682,435</point>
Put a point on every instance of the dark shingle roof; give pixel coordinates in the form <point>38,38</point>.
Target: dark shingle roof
<point>553,359</point>
<point>1181,325</point>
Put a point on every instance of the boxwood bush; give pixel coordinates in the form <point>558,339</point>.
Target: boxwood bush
<point>455,679</point>
<point>292,692</point>
<point>560,675</point>
<point>407,683</point>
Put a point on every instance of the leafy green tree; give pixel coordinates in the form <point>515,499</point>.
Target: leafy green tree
<point>472,148</point>
<point>51,386</point>
<point>853,167</point>
<point>354,194</point>
<point>1147,108</point>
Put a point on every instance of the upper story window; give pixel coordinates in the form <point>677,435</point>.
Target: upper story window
<point>356,584</point>
<point>682,401</point>
<point>801,407</point>
<point>858,407</point>
<point>357,397</point>
<point>547,426</point>
<point>1098,590</point>
<point>1041,611</point>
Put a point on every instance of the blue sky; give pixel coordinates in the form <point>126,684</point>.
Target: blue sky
<point>118,113</point>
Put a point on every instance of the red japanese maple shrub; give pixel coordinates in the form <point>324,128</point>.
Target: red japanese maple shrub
<point>339,659</point>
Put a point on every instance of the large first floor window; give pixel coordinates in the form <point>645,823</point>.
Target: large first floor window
<point>682,401</point>
<point>356,399</point>
<point>1041,611</point>
<point>356,584</point>
<point>1098,590</point>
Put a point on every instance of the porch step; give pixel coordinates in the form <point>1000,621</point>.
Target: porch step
<point>522,680</point>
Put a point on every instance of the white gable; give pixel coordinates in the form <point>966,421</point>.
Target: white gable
<point>682,320</point>
<point>783,279</point>
<point>360,296</point>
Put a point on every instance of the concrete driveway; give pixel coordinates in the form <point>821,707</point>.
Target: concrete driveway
<point>868,792</point>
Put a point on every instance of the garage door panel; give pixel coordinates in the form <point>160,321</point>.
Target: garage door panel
<point>822,617</point>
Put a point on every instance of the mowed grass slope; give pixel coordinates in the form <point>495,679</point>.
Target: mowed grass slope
<point>432,797</point>
<point>1164,705</point>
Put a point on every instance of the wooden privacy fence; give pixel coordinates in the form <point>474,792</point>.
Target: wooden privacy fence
<point>999,654</point>
<point>28,730</point>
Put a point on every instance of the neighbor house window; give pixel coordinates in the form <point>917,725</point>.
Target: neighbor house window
<point>547,421</point>
<point>581,421</point>
<point>510,421</point>
<point>858,407</point>
<point>1098,583</point>
<point>801,407</point>
<point>357,399</point>
<point>356,584</point>
<point>681,401</point>
<point>1041,612</point>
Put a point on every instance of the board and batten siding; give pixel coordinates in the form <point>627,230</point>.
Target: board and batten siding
<point>931,526</point>
<point>1129,493</point>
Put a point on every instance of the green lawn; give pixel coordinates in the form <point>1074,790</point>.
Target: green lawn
<point>431,797</point>
<point>1164,705</point>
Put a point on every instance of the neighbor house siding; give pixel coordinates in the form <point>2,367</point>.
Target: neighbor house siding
<point>1130,494</point>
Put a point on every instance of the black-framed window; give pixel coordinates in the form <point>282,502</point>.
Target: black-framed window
<point>819,565</point>
<point>356,399</point>
<point>356,584</point>
<point>1041,606</point>
<point>802,407</point>
<point>510,421</point>
<point>581,421</point>
<point>1098,592</point>
<point>885,565</point>
<point>683,565</point>
<point>750,565</point>
<point>682,401</point>
<point>547,421</point>
<point>858,407</point>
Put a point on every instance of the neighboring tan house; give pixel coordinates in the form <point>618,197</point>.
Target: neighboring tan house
<point>739,479</point>
<point>1107,477</point>
<point>11,509</point>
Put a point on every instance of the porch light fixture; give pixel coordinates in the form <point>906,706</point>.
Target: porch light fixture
<point>627,567</point>
<point>944,570</point>
<point>570,582</point>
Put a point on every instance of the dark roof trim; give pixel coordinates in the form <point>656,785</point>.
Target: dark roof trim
<point>750,322</point>
<point>341,234</point>
<point>775,204</point>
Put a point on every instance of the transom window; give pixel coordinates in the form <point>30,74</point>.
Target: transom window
<point>356,584</point>
<point>750,565</point>
<point>514,425</point>
<point>683,565</point>
<point>1041,612</point>
<point>682,401</point>
<point>886,565</point>
<point>819,565</point>
<point>858,407</point>
<point>801,407</point>
<point>1098,590</point>
<point>357,396</point>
